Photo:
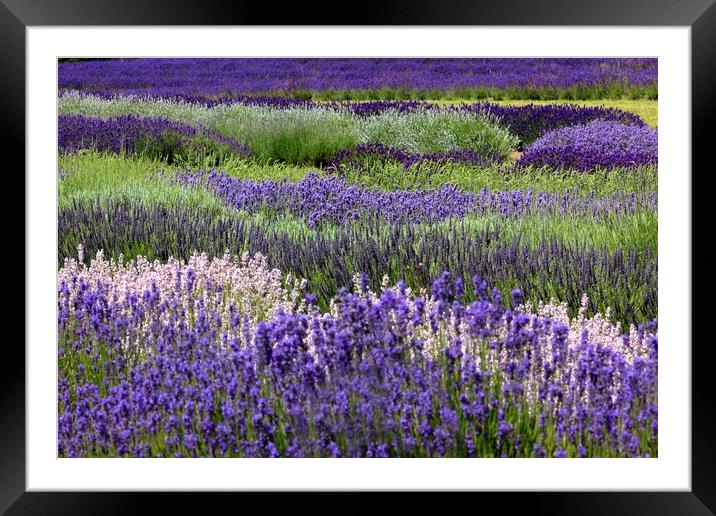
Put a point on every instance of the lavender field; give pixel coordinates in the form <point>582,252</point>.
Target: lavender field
<point>357,258</point>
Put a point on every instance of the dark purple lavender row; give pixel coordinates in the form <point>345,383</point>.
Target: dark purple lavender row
<point>135,134</point>
<point>235,77</point>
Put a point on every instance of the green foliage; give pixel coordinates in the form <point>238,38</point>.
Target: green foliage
<point>583,92</point>
<point>174,149</point>
<point>429,132</point>
<point>393,176</point>
<point>312,136</point>
<point>293,137</point>
<point>88,174</point>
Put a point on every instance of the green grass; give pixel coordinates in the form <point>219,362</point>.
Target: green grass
<point>90,174</point>
<point>295,136</point>
<point>614,91</point>
<point>393,176</point>
<point>618,232</point>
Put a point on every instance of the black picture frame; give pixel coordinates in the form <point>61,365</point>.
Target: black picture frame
<point>700,15</point>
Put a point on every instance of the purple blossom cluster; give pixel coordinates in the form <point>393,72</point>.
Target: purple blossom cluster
<point>131,133</point>
<point>215,78</point>
<point>381,375</point>
<point>330,199</point>
<point>358,156</point>
<point>598,144</point>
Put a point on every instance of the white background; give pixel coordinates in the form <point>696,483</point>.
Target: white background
<point>670,471</point>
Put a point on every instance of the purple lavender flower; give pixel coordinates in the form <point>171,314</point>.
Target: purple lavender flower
<point>598,144</point>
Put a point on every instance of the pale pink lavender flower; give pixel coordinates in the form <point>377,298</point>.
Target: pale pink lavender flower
<point>237,285</point>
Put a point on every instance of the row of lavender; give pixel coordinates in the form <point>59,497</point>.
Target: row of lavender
<point>217,358</point>
<point>154,137</point>
<point>604,140</point>
<point>330,200</point>
<point>553,267</point>
<point>356,77</point>
<point>527,121</point>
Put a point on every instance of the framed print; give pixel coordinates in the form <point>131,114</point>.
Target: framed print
<point>359,258</point>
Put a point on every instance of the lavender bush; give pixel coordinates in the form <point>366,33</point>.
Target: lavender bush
<point>157,136</point>
<point>532,121</point>
<point>598,144</point>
